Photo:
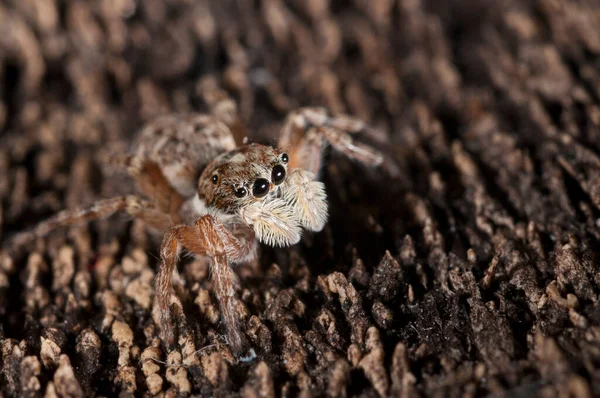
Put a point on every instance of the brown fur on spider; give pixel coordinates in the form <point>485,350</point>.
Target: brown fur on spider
<point>244,195</point>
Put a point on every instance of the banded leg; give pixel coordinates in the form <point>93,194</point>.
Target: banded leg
<point>241,245</point>
<point>131,205</point>
<point>207,237</point>
<point>307,130</point>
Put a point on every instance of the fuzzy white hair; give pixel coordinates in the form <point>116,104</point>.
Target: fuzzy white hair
<point>307,198</point>
<point>273,221</point>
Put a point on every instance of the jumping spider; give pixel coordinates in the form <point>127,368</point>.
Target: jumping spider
<point>244,194</point>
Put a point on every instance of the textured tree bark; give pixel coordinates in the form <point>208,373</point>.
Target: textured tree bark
<point>468,268</point>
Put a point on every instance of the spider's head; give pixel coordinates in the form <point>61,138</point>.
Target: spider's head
<point>249,174</point>
<point>253,182</point>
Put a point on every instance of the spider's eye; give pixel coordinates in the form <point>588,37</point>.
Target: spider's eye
<point>260,188</point>
<point>215,179</point>
<point>240,192</point>
<point>278,174</point>
<point>284,158</point>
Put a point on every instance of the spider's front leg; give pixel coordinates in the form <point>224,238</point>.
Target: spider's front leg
<point>209,238</point>
<point>304,136</point>
<point>307,130</point>
<point>105,208</point>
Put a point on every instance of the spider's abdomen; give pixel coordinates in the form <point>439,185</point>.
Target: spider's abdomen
<point>182,145</point>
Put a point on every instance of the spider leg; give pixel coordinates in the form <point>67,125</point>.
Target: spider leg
<point>151,181</point>
<point>207,237</point>
<point>176,237</point>
<point>129,204</point>
<point>307,130</point>
<point>223,107</point>
<point>241,245</point>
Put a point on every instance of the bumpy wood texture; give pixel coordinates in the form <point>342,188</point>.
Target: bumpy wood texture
<point>468,269</point>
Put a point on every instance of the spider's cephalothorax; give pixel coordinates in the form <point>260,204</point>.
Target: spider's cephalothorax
<point>242,176</point>
<point>246,194</point>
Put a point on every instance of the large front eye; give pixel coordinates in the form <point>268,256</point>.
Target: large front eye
<point>278,174</point>
<point>260,188</point>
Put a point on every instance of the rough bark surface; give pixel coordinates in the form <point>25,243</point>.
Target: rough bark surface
<point>471,271</point>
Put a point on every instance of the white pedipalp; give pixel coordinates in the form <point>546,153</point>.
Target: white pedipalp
<point>307,198</point>
<point>273,222</point>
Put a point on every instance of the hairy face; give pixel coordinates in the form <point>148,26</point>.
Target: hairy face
<point>243,176</point>
<point>254,183</point>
